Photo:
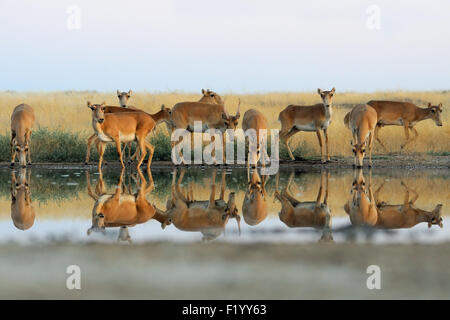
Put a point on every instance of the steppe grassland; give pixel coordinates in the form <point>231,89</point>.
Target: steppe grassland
<point>67,111</point>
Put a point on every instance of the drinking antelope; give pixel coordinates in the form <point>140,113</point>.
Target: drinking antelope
<point>296,214</point>
<point>254,207</point>
<point>296,118</point>
<point>362,121</point>
<point>22,122</point>
<point>253,119</point>
<point>121,209</point>
<point>405,215</point>
<point>22,211</point>
<point>404,114</point>
<point>125,127</point>
<point>209,217</point>
<point>362,208</point>
<point>211,116</point>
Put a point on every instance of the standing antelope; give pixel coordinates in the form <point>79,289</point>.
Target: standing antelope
<point>121,209</point>
<point>22,211</point>
<point>296,214</point>
<point>253,119</point>
<point>362,208</point>
<point>405,215</point>
<point>212,116</point>
<point>209,217</point>
<point>124,127</point>
<point>254,207</point>
<point>404,114</point>
<point>362,121</point>
<point>296,118</point>
<point>161,116</point>
<point>22,122</point>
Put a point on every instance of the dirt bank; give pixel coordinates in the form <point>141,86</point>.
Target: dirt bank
<point>409,161</point>
<point>215,270</point>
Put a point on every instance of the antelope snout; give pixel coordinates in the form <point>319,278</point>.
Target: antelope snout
<point>101,120</point>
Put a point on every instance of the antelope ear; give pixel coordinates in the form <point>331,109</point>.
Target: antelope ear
<point>224,116</point>
<point>440,105</point>
<point>319,91</point>
<point>163,107</point>
<point>429,104</point>
<point>118,92</point>
<point>203,91</point>
<point>130,92</point>
<point>90,106</point>
<point>333,90</point>
<point>103,103</point>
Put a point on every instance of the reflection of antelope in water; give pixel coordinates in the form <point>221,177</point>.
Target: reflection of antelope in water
<point>254,207</point>
<point>121,209</point>
<point>22,211</point>
<point>209,217</point>
<point>296,214</point>
<point>362,208</point>
<point>405,215</point>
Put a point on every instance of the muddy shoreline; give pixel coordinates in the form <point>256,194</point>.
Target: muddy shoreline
<point>225,271</point>
<point>413,161</point>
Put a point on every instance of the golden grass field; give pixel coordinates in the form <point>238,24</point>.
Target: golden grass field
<point>68,111</point>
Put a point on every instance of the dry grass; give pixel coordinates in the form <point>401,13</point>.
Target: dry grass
<point>68,111</point>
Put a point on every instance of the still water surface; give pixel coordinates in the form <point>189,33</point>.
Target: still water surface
<point>378,206</point>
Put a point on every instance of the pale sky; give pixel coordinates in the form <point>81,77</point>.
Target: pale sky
<point>239,46</point>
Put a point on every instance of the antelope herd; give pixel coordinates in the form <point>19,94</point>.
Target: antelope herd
<point>125,124</point>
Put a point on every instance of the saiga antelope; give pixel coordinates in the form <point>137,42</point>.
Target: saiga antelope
<point>123,98</point>
<point>211,97</point>
<point>254,207</point>
<point>362,121</point>
<point>404,114</point>
<point>212,116</point>
<point>253,119</point>
<point>22,211</point>
<point>405,215</point>
<point>121,209</point>
<point>161,116</point>
<point>362,207</point>
<point>209,217</point>
<point>124,127</point>
<point>22,122</point>
<point>296,118</point>
<point>296,214</point>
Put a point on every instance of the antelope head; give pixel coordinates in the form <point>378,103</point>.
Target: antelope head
<point>435,113</point>
<point>327,96</point>
<point>98,223</point>
<point>123,97</point>
<point>231,122</point>
<point>211,97</point>
<point>435,217</point>
<point>98,111</point>
<point>359,151</point>
<point>22,150</point>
